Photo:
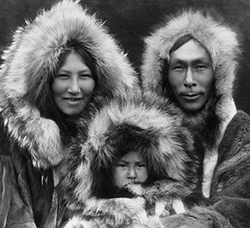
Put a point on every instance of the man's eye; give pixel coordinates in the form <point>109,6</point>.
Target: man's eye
<point>201,67</point>
<point>177,67</point>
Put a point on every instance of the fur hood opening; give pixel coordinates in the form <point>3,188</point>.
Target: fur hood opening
<point>30,61</point>
<point>220,41</point>
<point>166,145</point>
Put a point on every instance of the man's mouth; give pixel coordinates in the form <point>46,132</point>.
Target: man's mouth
<point>191,96</point>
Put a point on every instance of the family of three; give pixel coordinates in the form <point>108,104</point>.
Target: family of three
<point>83,145</point>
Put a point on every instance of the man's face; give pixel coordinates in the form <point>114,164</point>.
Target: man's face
<point>131,168</point>
<point>191,75</point>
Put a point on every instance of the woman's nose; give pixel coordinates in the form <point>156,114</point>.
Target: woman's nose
<point>74,86</point>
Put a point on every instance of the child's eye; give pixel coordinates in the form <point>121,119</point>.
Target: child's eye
<point>122,165</point>
<point>141,165</point>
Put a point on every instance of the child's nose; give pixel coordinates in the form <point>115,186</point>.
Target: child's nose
<point>132,173</point>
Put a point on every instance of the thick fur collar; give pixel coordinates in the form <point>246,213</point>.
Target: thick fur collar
<point>172,157</point>
<point>33,57</point>
<point>114,213</point>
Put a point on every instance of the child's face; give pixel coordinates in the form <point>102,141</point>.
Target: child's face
<point>131,168</point>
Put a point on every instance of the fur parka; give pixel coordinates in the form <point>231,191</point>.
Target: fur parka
<point>222,44</point>
<point>166,145</point>
<point>222,129</point>
<point>30,141</point>
<point>30,61</point>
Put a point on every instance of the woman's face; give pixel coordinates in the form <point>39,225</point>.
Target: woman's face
<point>191,75</point>
<point>73,85</point>
<point>131,168</point>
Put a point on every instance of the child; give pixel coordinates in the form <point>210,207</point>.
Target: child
<point>131,169</point>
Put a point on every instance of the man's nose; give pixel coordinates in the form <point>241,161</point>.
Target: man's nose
<point>189,79</point>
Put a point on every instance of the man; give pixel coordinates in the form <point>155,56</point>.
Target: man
<point>192,60</point>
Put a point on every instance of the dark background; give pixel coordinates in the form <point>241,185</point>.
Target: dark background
<point>131,20</point>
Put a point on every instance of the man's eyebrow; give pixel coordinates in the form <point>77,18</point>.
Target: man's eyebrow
<point>177,61</point>
<point>196,60</point>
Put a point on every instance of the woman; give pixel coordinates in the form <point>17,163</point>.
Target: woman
<point>72,89</point>
<point>57,68</point>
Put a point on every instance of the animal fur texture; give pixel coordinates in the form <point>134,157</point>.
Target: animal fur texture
<point>220,41</point>
<point>222,44</point>
<point>30,61</point>
<point>167,146</point>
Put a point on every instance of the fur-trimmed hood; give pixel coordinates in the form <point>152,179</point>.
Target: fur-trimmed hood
<point>222,44</point>
<point>31,59</point>
<point>166,145</point>
<point>220,41</point>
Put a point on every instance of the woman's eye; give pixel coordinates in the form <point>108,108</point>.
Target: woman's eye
<point>62,76</point>
<point>86,76</point>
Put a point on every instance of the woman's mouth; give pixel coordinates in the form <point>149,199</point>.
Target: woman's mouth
<point>73,99</point>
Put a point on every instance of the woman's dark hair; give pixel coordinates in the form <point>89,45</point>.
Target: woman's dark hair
<point>83,53</point>
<point>45,102</point>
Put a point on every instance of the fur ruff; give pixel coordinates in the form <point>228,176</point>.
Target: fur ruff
<point>222,44</point>
<point>32,58</point>
<point>220,41</point>
<point>114,213</point>
<point>172,149</point>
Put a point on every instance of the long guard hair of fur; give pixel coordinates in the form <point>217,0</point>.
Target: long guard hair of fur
<point>151,128</point>
<point>30,62</point>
